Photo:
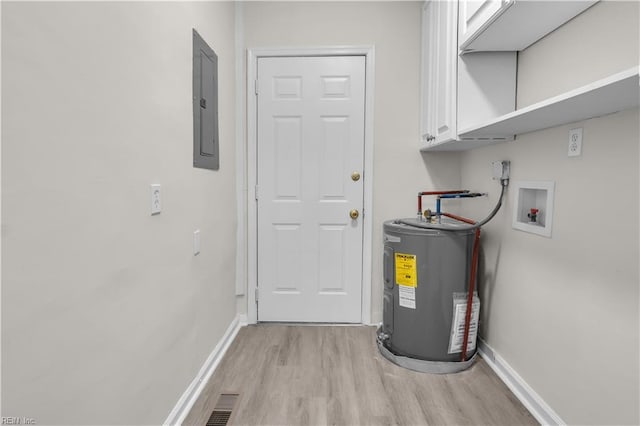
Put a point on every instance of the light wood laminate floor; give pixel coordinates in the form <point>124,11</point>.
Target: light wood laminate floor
<point>334,375</point>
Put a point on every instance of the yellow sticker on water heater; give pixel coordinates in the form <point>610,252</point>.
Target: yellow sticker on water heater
<point>406,271</point>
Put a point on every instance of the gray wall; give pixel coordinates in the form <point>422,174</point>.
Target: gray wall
<point>394,29</point>
<point>106,314</point>
<point>563,312</point>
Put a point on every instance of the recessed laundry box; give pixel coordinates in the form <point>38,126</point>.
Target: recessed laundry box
<point>426,278</point>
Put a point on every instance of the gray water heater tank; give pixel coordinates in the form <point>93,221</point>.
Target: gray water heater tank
<point>426,278</point>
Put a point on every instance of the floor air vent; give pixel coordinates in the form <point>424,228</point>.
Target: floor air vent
<point>222,411</point>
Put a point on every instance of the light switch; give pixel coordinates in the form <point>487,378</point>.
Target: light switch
<point>156,205</point>
<point>196,242</point>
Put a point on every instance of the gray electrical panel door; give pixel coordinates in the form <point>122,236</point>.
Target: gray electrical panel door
<point>205,105</point>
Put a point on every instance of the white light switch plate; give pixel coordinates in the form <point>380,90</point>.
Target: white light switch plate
<point>156,205</point>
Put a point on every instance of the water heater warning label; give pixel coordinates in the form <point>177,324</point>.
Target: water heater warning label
<point>407,296</point>
<point>456,338</point>
<point>406,273</point>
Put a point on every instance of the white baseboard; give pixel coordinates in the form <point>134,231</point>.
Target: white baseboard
<point>242,318</point>
<point>542,412</point>
<point>190,396</point>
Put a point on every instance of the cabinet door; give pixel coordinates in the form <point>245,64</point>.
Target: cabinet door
<point>439,54</point>
<point>474,14</point>
<point>445,128</point>
<point>428,67</point>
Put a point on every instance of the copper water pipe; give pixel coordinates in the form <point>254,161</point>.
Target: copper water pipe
<point>472,282</point>
<point>420,194</point>
<point>460,218</point>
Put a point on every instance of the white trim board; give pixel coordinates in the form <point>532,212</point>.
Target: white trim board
<point>241,156</point>
<point>367,216</point>
<point>538,408</point>
<point>190,396</point>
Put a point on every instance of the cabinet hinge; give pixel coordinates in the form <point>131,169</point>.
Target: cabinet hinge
<point>255,190</point>
<point>256,294</point>
<point>255,85</point>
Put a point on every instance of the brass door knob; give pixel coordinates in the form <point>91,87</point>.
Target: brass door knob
<point>355,176</point>
<point>354,214</point>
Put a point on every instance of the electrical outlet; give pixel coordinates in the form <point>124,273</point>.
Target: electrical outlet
<point>575,142</point>
<point>156,205</point>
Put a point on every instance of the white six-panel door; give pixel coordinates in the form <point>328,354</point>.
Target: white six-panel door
<point>310,141</point>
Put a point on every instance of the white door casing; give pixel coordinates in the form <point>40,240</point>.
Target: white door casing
<point>310,139</point>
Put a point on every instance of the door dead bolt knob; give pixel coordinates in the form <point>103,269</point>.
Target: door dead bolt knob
<point>355,176</point>
<point>354,214</point>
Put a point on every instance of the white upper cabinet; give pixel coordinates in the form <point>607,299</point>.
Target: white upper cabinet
<point>512,25</point>
<point>474,16</point>
<point>469,68</point>
<point>459,91</point>
<point>439,55</point>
